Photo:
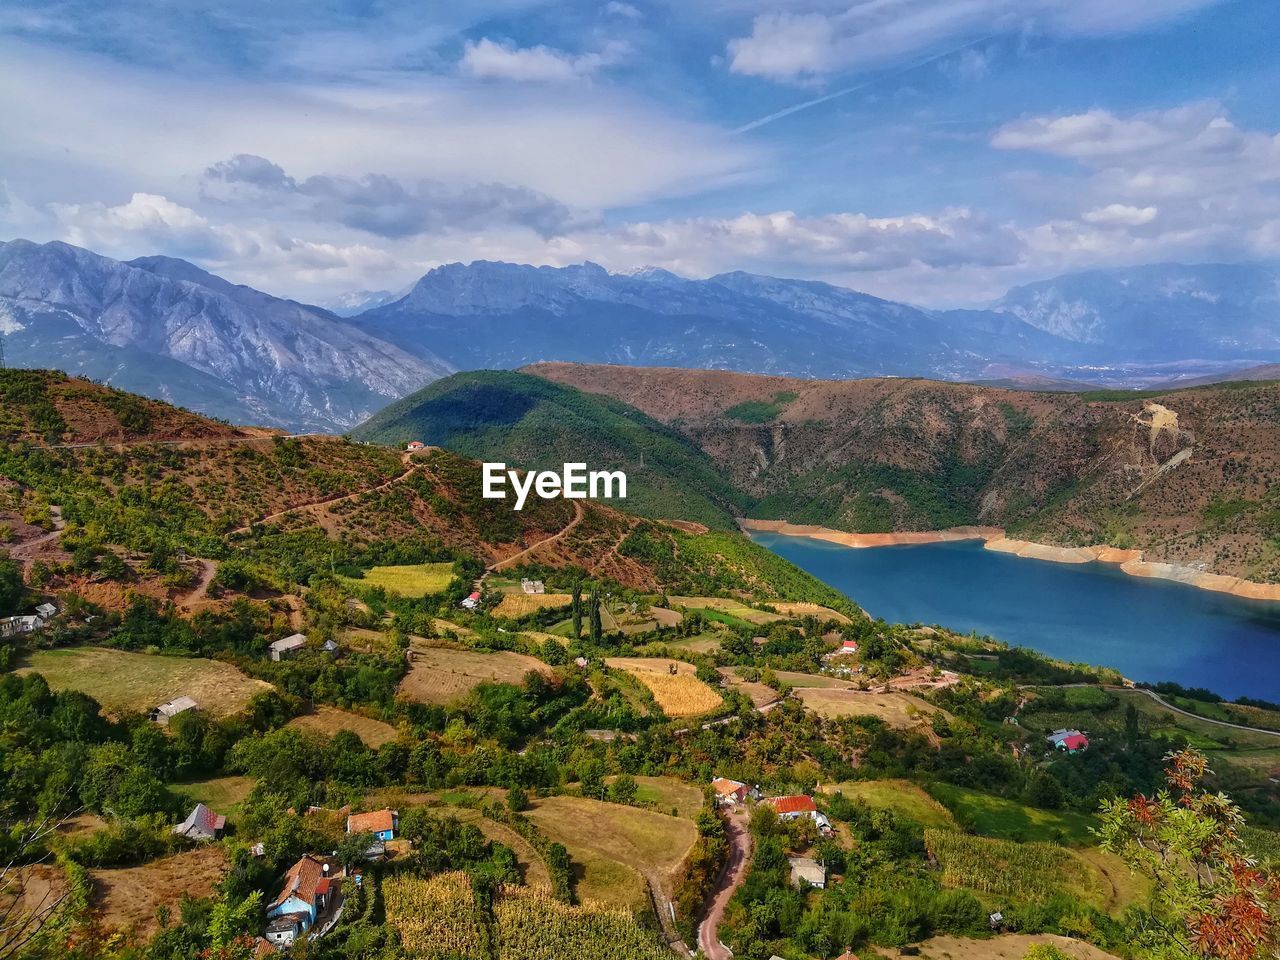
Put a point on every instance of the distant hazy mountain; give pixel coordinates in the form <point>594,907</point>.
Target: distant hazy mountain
<point>504,315</point>
<point>168,329</point>
<point>358,301</point>
<point>1159,312</point>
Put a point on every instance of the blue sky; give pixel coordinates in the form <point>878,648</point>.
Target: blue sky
<point>936,151</point>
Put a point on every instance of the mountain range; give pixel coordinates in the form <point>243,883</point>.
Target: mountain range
<point>165,328</point>
<point>168,329</point>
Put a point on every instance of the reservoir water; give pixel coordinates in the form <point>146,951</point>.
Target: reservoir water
<point>1149,630</point>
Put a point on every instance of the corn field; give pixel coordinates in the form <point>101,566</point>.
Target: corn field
<point>439,917</point>
<point>1025,870</point>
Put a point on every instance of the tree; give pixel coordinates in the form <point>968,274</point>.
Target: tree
<point>517,799</point>
<point>1209,899</point>
<point>577,610</point>
<point>623,789</point>
<point>11,588</point>
<point>354,849</point>
<point>593,605</point>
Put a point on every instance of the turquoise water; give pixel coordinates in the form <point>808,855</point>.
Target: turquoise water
<point>1149,630</point>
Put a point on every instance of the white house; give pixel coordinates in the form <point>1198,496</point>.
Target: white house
<point>287,647</point>
<point>46,611</point>
<point>794,807</point>
<point>167,711</point>
<point>17,626</point>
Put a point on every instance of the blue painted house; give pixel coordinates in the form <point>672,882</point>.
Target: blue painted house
<point>381,823</point>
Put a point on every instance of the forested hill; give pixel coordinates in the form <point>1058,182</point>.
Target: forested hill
<point>48,406</point>
<point>1188,475</point>
<point>536,424</point>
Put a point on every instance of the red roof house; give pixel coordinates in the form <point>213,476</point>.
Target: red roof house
<point>1074,743</point>
<point>792,805</point>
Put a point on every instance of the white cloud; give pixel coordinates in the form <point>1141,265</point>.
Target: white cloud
<point>822,38</point>
<point>1121,214</point>
<point>785,46</point>
<point>487,59</point>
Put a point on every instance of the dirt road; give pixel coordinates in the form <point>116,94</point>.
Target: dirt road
<point>406,459</point>
<point>734,873</point>
<point>578,514</point>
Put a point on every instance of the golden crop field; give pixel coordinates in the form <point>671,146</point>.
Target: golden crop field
<point>1033,871</point>
<point>411,580</point>
<point>122,681</point>
<point>522,604</point>
<point>794,608</point>
<point>329,720</point>
<point>902,710</point>
<point>679,694</point>
<point>442,674</point>
<point>438,918</point>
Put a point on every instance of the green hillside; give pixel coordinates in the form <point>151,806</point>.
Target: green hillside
<point>532,423</point>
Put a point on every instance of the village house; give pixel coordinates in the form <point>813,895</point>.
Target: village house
<point>806,872</point>
<point>730,793</point>
<point>308,894</point>
<point>532,586</point>
<point>46,611</point>
<point>1072,741</point>
<point>797,806</point>
<point>413,446</point>
<point>472,601</point>
<point>381,823</point>
<point>167,711</point>
<point>287,647</point>
<point>17,626</point>
<point>201,824</point>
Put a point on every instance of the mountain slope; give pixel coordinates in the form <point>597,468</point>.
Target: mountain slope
<point>503,315</point>
<point>532,423</point>
<point>166,328</point>
<point>1191,476</point>
<point>1159,312</point>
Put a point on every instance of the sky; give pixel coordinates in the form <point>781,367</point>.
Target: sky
<point>933,151</point>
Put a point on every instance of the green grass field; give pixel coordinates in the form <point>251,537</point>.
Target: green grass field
<point>903,797</point>
<point>1007,820</point>
<point>123,681</point>
<point>222,794</point>
<point>412,580</point>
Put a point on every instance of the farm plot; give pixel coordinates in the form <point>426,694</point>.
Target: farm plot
<point>123,681</point>
<point>442,674</point>
<point>329,720</point>
<point>903,797</point>
<point>900,710</point>
<point>729,607</point>
<point>515,605</point>
<point>794,608</point>
<point>410,580</point>
<point>441,917</point>
<point>673,683</point>
<point>129,897</point>
<point>665,794</point>
<point>759,693</point>
<point>802,680</point>
<point>616,846</point>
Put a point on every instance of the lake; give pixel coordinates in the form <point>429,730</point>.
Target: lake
<point>1149,630</point>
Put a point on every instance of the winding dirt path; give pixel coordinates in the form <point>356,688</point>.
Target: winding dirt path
<point>200,592</point>
<point>28,551</point>
<point>734,873</point>
<point>406,459</point>
<point>578,514</point>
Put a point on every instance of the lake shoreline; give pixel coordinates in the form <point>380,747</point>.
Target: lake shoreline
<point>995,538</point>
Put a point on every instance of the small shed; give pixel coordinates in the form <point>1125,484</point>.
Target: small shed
<point>46,611</point>
<point>287,647</point>
<point>167,711</point>
<point>807,872</point>
<point>201,824</point>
